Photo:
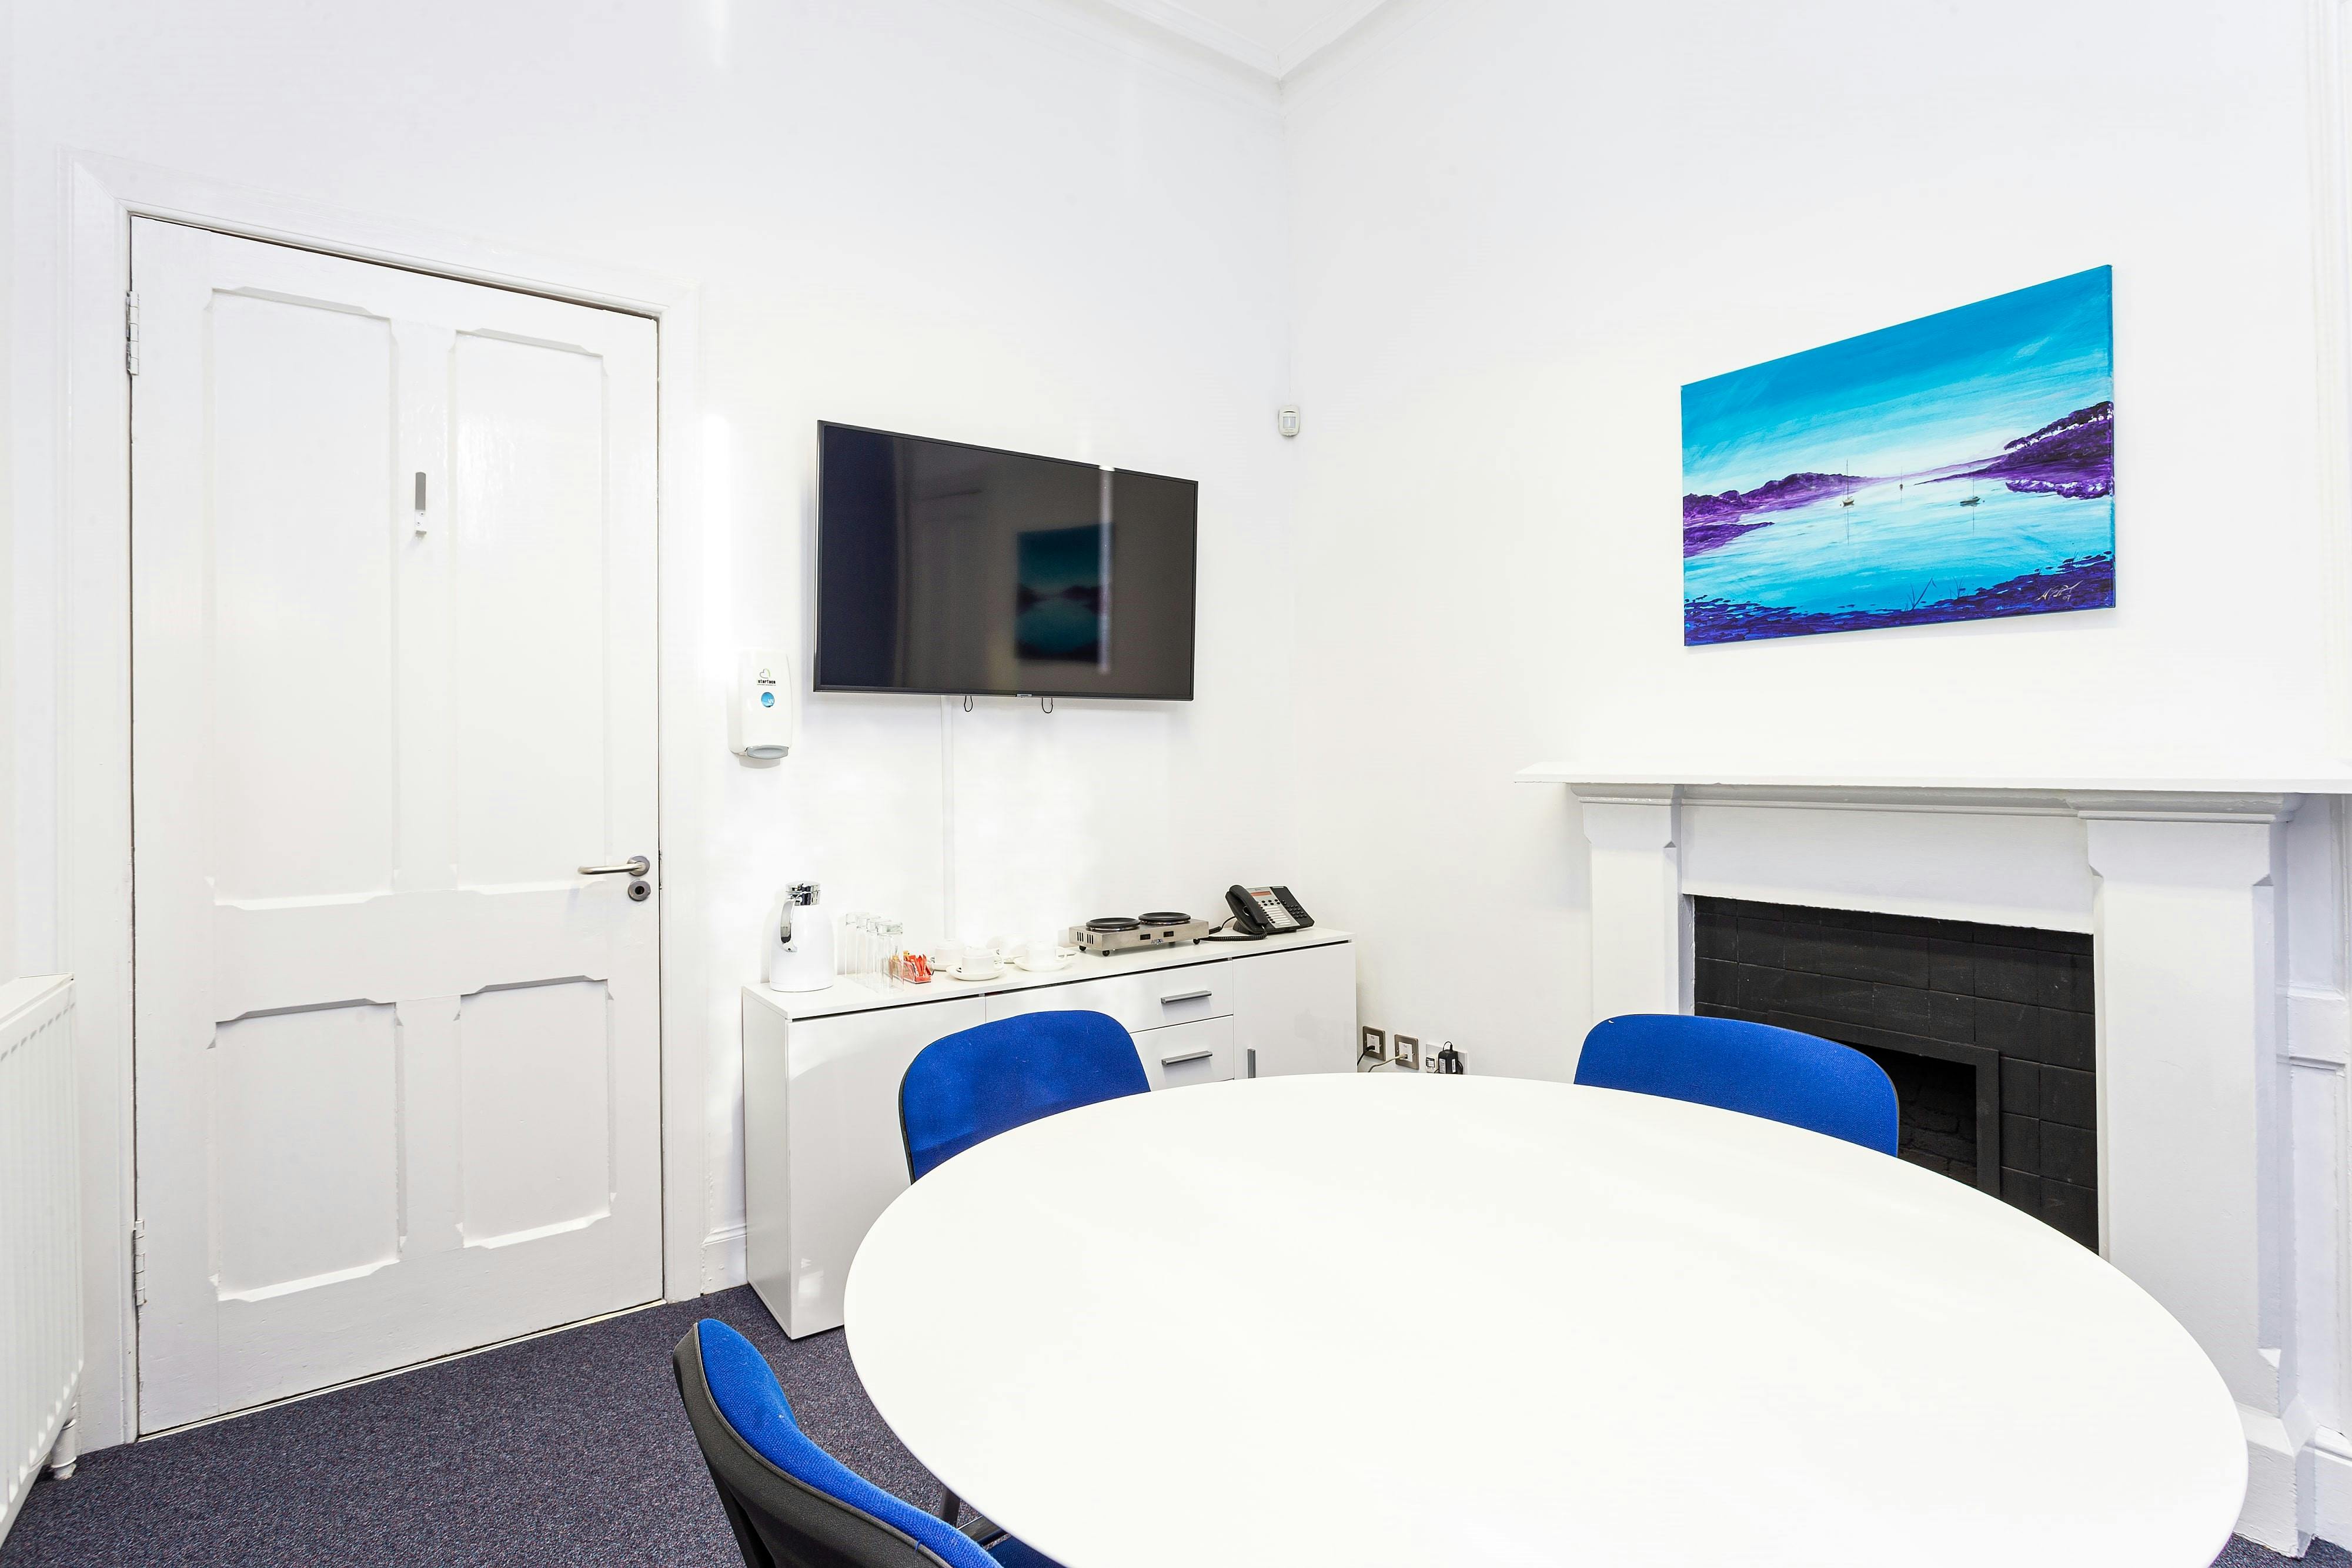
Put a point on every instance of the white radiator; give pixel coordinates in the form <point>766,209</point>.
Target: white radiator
<point>40,1233</point>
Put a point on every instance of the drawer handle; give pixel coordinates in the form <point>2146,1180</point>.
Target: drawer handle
<point>1186,996</point>
<point>1181,1061</point>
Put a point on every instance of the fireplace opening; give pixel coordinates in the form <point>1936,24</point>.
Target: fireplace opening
<point>1938,1105</point>
<point>1987,1032</point>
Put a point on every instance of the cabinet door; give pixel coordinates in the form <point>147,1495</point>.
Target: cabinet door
<point>848,1159</point>
<point>1296,1010</point>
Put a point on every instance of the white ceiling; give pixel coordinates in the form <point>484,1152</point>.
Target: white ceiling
<point>1275,35</point>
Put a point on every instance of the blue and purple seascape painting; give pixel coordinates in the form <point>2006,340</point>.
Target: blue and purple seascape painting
<point>1957,467</point>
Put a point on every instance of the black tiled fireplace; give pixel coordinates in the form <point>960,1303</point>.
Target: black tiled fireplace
<point>1987,1032</point>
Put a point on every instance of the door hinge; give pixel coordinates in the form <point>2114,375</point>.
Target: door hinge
<point>137,1262</point>
<point>131,333</point>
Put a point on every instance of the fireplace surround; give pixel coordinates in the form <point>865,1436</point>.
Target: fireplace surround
<point>2219,1155</point>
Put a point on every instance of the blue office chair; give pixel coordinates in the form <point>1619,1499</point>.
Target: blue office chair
<point>792,1504</point>
<point>1776,1073</point>
<point>967,1087</point>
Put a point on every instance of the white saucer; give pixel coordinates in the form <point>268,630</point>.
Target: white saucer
<point>962,973</point>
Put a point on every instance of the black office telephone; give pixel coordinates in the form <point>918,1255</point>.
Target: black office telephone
<point>1267,911</point>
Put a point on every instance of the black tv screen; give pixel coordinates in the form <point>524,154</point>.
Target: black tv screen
<point>970,571</point>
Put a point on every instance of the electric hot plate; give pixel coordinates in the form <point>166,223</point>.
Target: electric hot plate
<point>1111,933</point>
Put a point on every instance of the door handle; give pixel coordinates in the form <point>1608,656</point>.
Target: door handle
<point>635,866</point>
<point>1181,1061</point>
<point>1186,996</point>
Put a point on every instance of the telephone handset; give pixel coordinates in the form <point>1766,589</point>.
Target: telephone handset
<point>1267,911</point>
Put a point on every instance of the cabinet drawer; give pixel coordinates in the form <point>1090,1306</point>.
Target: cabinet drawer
<point>1187,1053</point>
<point>1150,999</point>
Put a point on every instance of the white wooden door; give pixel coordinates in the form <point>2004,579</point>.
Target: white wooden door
<point>397,1057</point>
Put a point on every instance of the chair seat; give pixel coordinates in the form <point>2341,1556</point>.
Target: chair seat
<point>1014,1555</point>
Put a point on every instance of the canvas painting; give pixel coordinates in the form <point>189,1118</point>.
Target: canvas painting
<point>1954,469</point>
<point>1059,600</point>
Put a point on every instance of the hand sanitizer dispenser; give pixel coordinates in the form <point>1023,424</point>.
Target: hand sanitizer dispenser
<point>800,945</point>
<point>762,721</point>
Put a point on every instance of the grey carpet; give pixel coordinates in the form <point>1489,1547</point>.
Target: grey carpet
<point>569,1450</point>
<point>565,1450</point>
<point>2244,1553</point>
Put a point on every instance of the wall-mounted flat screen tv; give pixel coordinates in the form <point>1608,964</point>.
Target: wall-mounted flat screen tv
<point>970,571</point>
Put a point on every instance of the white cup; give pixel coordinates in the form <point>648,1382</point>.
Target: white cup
<point>977,961</point>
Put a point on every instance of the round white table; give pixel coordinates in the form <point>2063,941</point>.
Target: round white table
<point>1381,1320</point>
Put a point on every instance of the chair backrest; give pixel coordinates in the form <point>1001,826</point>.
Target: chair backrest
<point>967,1087</point>
<point>1776,1073</point>
<point>792,1504</point>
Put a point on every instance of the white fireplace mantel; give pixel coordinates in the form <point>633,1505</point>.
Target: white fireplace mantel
<point>2316,780</point>
<point>2179,882</point>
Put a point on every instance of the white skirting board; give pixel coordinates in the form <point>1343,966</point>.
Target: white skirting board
<point>722,1259</point>
<point>40,1225</point>
<point>2331,1485</point>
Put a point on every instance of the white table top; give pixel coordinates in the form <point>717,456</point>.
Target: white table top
<point>1375,1320</point>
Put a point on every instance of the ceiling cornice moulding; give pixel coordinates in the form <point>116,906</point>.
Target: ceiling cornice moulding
<point>1185,23</point>
<point>1336,26</point>
<point>1273,61</point>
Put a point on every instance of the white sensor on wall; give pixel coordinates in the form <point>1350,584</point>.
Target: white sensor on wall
<point>762,719</point>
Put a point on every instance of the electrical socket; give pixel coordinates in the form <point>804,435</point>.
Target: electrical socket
<point>1429,1062</point>
<point>1375,1046</point>
<point>1408,1052</point>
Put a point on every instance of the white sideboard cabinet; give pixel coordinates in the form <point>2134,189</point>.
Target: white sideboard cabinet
<point>821,1152</point>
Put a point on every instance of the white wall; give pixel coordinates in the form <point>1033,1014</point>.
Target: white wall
<point>9,967</point>
<point>1520,228</point>
<point>1484,242</point>
<point>1010,222</point>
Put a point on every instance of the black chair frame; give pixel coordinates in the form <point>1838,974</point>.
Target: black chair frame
<point>780,1521</point>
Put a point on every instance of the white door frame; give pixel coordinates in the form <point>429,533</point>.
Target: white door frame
<point>101,196</point>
